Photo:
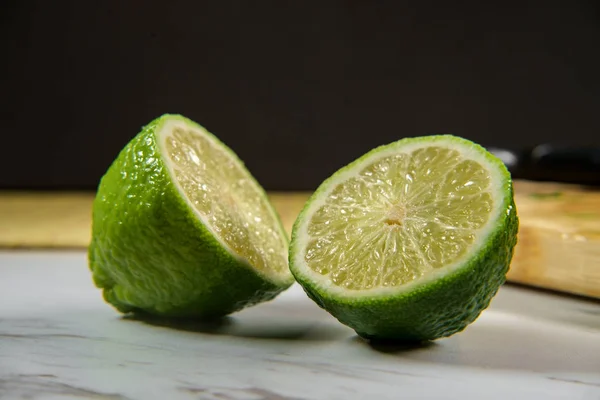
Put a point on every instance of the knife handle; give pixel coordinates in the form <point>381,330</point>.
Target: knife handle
<point>548,162</point>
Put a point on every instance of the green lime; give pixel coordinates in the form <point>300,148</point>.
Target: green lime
<point>409,242</point>
<point>181,228</point>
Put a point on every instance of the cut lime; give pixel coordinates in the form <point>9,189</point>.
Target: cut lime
<point>181,228</point>
<point>410,241</point>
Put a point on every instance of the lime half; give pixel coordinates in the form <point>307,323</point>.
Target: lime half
<point>410,241</point>
<point>181,228</point>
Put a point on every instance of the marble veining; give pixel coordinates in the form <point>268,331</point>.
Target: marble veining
<point>59,340</point>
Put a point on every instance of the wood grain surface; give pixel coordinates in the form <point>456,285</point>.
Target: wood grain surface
<point>559,237</point>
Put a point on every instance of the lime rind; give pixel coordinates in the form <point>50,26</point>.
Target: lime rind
<point>434,309</point>
<point>150,253</point>
<point>440,303</point>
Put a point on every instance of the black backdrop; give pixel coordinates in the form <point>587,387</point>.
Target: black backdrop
<point>296,88</point>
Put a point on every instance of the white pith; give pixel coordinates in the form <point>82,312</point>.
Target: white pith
<point>468,151</point>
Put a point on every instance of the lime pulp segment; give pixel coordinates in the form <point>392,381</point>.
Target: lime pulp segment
<point>397,216</point>
<point>225,197</point>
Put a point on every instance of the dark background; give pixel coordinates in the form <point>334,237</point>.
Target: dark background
<point>296,88</point>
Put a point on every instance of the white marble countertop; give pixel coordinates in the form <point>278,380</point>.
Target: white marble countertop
<point>59,340</point>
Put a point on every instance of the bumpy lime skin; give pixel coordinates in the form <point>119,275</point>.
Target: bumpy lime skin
<point>150,254</point>
<point>432,310</point>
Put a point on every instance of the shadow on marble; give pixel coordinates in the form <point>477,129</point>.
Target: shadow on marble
<point>498,347</point>
<point>254,328</point>
<point>393,346</point>
<point>190,325</point>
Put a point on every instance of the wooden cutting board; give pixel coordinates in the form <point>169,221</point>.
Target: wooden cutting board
<point>559,237</point>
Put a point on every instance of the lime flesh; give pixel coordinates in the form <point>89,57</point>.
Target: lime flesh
<point>225,197</point>
<point>181,228</point>
<point>411,241</point>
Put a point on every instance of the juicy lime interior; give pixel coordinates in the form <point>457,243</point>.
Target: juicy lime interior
<point>399,217</point>
<point>225,196</point>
